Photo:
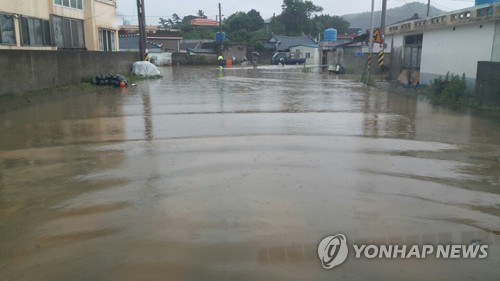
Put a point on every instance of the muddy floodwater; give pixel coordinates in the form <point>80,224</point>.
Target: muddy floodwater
<point>201,176</point>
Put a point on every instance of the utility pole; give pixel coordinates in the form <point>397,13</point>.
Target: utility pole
<point>366,75</point>
<point>220,30</point>
<point>381,54</point>
<point>370,47</point>
<point>141,14</point>
<point>382,21</point>
<point>428,7</point>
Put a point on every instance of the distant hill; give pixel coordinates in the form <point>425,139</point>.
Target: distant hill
<point>362,20</point>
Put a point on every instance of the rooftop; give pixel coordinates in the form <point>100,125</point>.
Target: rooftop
<point>204,22</point>
<point>307,45</point>
<point>131,43</point>
<point>283,43</point>
<point>480,13</point>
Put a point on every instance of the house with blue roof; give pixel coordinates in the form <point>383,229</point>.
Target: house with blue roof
<point>308,51</point>
<point>281,43</point>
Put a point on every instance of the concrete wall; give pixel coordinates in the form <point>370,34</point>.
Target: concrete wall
<point>37,70</point>
<point>357,64</point>
<point>236,51</point>
<point>186,59</point>
<point>353,63</point>
<point>496,43</point>
<point>456,51</point>
<point>396,43</point>
<point>487,83</point>
<point>396,62</point>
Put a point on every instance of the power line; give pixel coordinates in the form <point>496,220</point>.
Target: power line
<point>408,6</point>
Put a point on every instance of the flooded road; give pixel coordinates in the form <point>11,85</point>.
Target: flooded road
<point>238,177</point>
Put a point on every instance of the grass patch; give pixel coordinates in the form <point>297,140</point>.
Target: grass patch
<point>367,79</point>
<point>349,70</point>
<point>22,99</point>
<point>452,90</point>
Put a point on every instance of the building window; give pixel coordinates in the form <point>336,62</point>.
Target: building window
<point>413,51</point>
<point>75,4</point>
<point>68,33</point>
<point>484,12</point>
<point>308,55</point>
<point>107,40</point>
<point>7,34</point>
<point>35,32</point>
<point>412,57</point>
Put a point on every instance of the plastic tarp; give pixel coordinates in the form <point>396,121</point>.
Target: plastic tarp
<point>145,68</point>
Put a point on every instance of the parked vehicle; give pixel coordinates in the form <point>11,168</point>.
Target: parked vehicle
<point>283,58</point>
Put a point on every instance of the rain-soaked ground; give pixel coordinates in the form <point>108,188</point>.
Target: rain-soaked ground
<point>202,177</point>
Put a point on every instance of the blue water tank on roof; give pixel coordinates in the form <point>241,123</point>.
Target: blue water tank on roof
<point>220,37</point>
<point>330,35</point>
<point>481,2</point>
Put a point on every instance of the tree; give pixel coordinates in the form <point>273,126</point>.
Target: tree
<point>276,25</point>
<point>237,21</point>
<point>250,22</point>
<point>256,20</point>
<point>296,16</point>
<point>176,20</point>
<point>164,23</point>
<point>201,14</point>
<point>322,22</point>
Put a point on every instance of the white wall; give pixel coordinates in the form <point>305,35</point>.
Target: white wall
<point>103,17</point>
<point>496,44</point>
<point>456,51</point>
<point>397,40</point>
<point>31,8</point>
<point>96,14</point>
<point>314,59</point>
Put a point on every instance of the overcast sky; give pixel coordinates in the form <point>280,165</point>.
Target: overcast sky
<point>165,8</point>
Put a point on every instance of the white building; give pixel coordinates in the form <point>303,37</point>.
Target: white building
<point>308,51</point>
<point>428,48</point>
<point>58,24</point>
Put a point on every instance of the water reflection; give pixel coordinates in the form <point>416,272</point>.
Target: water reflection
<point>197,176</point>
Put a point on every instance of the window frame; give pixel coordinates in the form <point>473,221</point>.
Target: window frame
<point>14,39</point>
<point>107,40</point>
<point>28,24</point>
<point>70,4</point>
<point>68,33</point>
<point>412,56</point>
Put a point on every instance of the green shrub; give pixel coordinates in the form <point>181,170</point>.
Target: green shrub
<point>452,88</point>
